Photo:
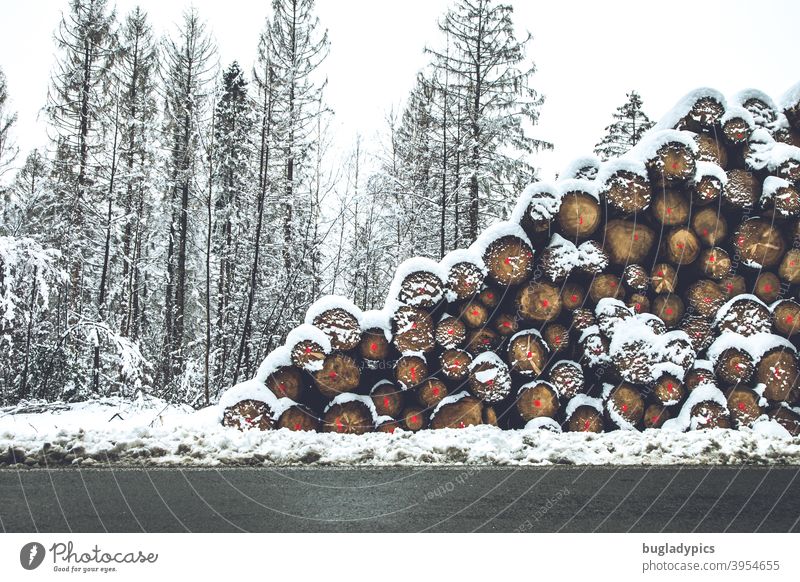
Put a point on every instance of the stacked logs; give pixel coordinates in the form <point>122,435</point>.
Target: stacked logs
<point>658,290</point>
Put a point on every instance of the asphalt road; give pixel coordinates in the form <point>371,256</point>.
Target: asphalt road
<point>609,499</point>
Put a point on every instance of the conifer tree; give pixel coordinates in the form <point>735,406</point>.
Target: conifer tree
<point>630,124</point>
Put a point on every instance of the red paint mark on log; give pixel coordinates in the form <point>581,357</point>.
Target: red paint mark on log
<point>490,296</point>
<point>460,424</point>
<point>545,303</point>
<point>297,426</point>
<point>308,349</point>
<point>506,324</point>
<point>451,331</point>
<point>742,406</point>
<point>711,259</point>
<point>574,298</point>
<point>414,419</point>
<point>637,307</point>
<point>530,354</point>
<point>635,236</point>
<point>661,273</point>
<point>669,210</point>
<point>456,362</point>
<point>586,425</point>
<point>674,165</point>
<point>557,340</point>
<point>486,341</point>
<point>624,408</point>
<point>373,346</point>
<point>339,425</point>
<point>414,373</point>
<point>668,311</point>
<point>705,232</point>
<point>537,403</point>
<point>386,402</point>
<point>435,391</point>
<point>580,219</point>
<point>508,261</point>
<point>789,319</point>
<point>475,312</point>
<point>767,288</point>
<point>332,374</point>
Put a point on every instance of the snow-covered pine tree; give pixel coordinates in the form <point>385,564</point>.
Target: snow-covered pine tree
<point>188,70</point>
<point>630,123</point>
<point>79,109</point>
<point>486,65</point>
<point>29,207</point>
<point>8,150</point>
<point>264,268</point>
<point>297,48</point>
<point>233,209</point>
<point>136,72</point>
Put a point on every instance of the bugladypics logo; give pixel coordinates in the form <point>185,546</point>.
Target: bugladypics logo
<point>31,555</point>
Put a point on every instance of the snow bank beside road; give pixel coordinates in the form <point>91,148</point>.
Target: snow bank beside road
<point>152,433</point>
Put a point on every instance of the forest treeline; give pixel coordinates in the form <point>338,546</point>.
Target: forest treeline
<point>186,212</point>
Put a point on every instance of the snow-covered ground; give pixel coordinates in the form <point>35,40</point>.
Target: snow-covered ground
<point>150,432</point>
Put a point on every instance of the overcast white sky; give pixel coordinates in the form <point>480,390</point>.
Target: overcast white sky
<point>588,55</point>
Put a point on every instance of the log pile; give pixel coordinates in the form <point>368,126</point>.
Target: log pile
<point>658,290</point>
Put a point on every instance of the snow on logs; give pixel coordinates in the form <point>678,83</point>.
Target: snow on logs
<point>658,290</point>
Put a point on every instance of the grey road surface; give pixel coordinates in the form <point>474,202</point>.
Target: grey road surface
<point>579,499</point>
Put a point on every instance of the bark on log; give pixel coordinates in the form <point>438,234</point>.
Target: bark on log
<point>707,188</point>
<point>421,289</point>
<point>636,278</point>
<point>339,374</point>
<point>490,380</point>
<point>745,316</point>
